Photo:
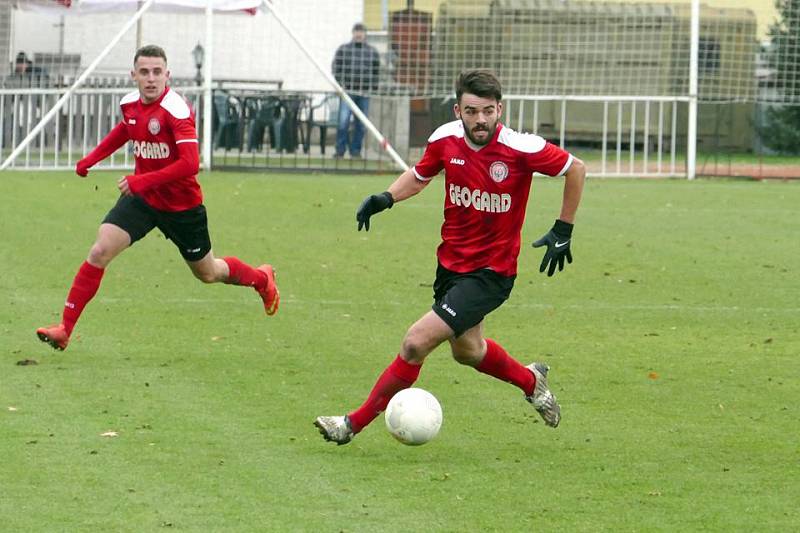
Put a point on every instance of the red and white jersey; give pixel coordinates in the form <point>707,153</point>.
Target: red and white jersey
<point>156,129</point>
<point>486,193</point>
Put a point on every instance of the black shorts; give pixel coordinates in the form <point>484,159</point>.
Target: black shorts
<point>187,229</point>
<point>462,300</point>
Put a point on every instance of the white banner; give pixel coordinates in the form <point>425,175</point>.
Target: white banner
<point>76,7</point>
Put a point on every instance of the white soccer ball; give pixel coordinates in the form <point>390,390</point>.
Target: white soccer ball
<point>413,416</point>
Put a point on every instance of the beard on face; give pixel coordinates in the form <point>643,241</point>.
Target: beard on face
<point>488,128</point>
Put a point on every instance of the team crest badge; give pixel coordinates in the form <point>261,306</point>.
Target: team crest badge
<point>498,171</point>
<point>153,126</point>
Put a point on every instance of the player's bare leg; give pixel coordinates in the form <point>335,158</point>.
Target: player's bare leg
<point>233,271</point>
<point>469,348</point>
<point>111,241</point>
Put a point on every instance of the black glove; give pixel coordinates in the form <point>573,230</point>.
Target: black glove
<point>557,241</point>
<point>371,205</point>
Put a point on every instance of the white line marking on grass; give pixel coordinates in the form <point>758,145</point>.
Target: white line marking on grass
<point>582,306</point>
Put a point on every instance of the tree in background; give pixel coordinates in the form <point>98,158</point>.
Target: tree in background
<point>782,130</point>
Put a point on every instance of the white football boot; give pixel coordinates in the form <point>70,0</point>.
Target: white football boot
<point>335,429</point>
<point>542,399</point>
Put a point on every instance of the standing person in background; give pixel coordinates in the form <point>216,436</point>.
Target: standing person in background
<point>162,193</point>
<point>356,66</point>
<point>28,73</point>
<point>488,171</point>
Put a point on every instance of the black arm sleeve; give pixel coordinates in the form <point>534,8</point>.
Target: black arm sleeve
<point>337,65</point>
<point>376,69</point>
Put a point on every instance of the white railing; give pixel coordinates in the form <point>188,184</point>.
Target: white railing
<point>627,136</point>
<point>617,136</point>
<point>76,129</point>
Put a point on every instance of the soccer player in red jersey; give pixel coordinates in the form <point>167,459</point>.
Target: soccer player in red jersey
<point>488,172</point>
<point>162,193</point>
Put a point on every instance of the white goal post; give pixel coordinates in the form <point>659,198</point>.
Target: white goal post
<point>209,7</point>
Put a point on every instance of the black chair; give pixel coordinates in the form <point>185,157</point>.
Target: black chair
<point>288,131</point>
<point>322,115</point>
<point>226,121</point>
<point>262,115</point>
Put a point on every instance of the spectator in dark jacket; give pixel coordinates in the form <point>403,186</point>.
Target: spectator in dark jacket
<point>356,67</point>
<point>26,74</point>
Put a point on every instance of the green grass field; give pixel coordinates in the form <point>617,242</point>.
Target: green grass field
<point>673,340</point>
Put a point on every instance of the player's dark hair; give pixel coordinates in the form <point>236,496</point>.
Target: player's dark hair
<point>150,50</point>
<point>480,82</point>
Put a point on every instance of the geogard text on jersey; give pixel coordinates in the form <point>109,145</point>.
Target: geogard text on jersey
<point>480,200</point>
<point>148,150</point>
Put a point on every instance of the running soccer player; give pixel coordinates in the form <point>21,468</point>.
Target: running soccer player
<point>488,172</point>
<point>162,193</point>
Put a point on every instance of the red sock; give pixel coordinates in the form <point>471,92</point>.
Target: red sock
<point>243,274</point>
<point>499,364</point>
<point>398,376</point>
<point>83,289</point>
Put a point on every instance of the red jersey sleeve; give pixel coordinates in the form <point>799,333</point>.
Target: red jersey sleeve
<point>550,160</point>
<point>431,163</point>
<point>112,142</point>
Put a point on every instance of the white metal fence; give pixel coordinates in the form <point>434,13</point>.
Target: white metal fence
<point>618,136</point>
<point>621,136</point>
<point>75,130</point>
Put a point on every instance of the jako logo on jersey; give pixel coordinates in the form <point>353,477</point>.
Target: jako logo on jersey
<point>147,150</point>
<point>457,161</point>
<point>153,126</point>
<point>489,202</point>
<point>498,171</point>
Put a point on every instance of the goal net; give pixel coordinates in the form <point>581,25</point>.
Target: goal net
<point>607,76</point>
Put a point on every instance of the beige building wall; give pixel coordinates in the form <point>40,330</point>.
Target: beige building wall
<point>373,10</point>
<point>764,10</point>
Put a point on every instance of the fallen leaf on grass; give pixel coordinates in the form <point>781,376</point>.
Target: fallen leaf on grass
<point>652,375</point>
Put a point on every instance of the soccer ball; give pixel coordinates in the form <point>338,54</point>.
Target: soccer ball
<point>413,416</point>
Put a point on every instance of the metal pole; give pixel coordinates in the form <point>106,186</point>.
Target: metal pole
<point>61,33</point>
<point>385,14</point>
<point>50,114</point>
<point>604,150</point>
<point>139,28</point>
<point>382,141</point>
<point>208,140</point>
<point>694,49</point>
